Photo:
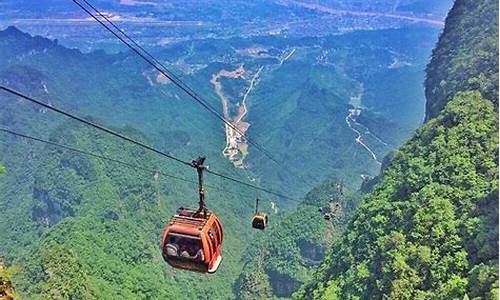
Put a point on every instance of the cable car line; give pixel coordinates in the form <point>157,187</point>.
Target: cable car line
<point>107,158</point>
<point>251,185</point>
<point>92,124</point>
<point>138,46</point>
<point>102,157</point>
<point>128,139</point>
<point>170,75</point>
<point>179,83</point>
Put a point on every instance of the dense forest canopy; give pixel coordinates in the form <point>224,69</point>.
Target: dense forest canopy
<point>77,227</point>
<point>429,230</point>
<point>466,56</point>
<point>280,260</point>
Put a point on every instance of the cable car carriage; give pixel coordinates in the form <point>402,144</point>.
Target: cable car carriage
<point>259,220</point>
<point>193,238</point>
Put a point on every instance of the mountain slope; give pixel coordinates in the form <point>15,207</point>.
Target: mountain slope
<point>466,56</point>
<point>285,255</point>
<point>77,225</point>
<point>429,229</point>
<point>98,225</point>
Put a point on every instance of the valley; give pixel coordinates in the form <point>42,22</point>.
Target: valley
<point>329,92</point>
<point>351,122</point>
<point>236,148</point>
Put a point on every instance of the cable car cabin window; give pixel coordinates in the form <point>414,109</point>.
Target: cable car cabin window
<point>215,231</point>
<point>214,236</point>
<point>185,251</point>
<point>184,246</point>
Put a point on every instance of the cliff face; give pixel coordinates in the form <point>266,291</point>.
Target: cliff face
<point>429,229</point>
<point>466,56</point>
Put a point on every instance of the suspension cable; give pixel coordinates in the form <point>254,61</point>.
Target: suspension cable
<point>128,139</point>
<point>176,80</point>
<point>102,157</point>
<point>95,125</point>
<point>110,159</point>
<point>179,83</point>
<point>250,185</point>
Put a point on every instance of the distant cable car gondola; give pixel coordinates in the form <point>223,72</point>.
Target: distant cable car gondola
<point>259,220</point>
<point>193,238</point>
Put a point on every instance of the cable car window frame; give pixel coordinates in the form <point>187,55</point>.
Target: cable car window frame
<point>213,239</point>
<point>218,232</point>
<point>190,237</point>
<point>184,235</point>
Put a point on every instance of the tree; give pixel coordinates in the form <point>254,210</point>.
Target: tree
<point>7,290</point>
<point>425,230</point>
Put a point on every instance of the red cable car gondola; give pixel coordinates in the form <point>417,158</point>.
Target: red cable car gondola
<point>193,238</point>
<point>259,220</point>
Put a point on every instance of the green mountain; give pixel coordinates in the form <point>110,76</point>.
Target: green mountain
<point>465,57</point>
<point>75,225</point>
<point>90,228</point>
<point>429,228</point>
<point>281,259</point>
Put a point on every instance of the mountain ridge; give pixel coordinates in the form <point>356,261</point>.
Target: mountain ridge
<point>101,205</point>
<point>458,62</point>
<point>428,229</point>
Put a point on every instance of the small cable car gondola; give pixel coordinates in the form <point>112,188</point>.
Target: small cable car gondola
<point>259,220</point>
<point>193,238</point>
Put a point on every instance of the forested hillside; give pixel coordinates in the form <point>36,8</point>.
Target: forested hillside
<point>98,224</point>
<point>7,290</point>
<point>281,259</point>
<point>76,225</point>
<point>429,229</point>
<point>328,106</point>
<point>466,56</point>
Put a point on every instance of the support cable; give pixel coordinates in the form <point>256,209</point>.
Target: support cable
<point>145,146</point>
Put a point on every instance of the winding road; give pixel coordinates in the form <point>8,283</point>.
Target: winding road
<point>236,145</point>
<point>359,138</point>
<point>243,108</point>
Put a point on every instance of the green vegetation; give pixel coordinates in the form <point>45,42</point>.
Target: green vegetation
<point>7,290</point>
<point>99,225</point>
<point>466,56</point>
<point>429,229</point>
<point>284,256</point>
<point>280,260</point>
<point>81,228</point>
